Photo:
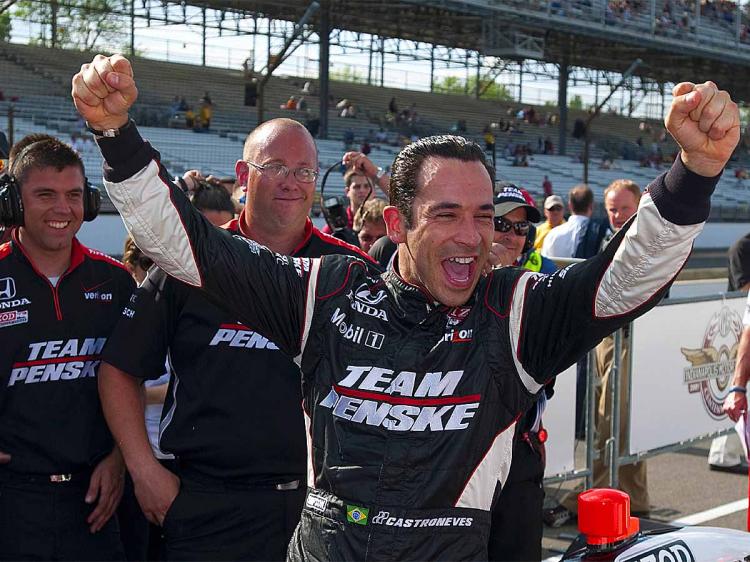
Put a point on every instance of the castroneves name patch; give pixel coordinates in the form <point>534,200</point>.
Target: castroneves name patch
<point>13,317</point>
<point>384,518</point>
<point>402,401</point>
<point>316,502</point>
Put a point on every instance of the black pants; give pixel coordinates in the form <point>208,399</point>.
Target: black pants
<point>134,526</point>
<point>516,532</point>
<point>213,522</point>
<point>47,521</point>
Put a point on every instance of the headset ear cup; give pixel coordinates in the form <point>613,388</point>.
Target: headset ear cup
<point>11,206</point>
<point>92,202</point>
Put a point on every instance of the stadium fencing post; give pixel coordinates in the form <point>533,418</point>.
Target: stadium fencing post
<point>615,380</point>
<point>590,428</point>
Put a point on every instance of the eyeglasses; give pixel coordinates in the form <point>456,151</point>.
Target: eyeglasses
<point>520,228</point>
<point>275,171</point>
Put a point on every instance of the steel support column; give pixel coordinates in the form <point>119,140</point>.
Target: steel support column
<point>203,37</point>
<point>324,33</point>
<point>562,105</point>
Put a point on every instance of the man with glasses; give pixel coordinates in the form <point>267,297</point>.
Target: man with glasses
<point>232,416</point>
<point>514,215</point>
<point>554,213</point>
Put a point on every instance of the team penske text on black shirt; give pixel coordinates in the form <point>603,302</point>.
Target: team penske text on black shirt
<point>52,338</point>
<point>233,407</point>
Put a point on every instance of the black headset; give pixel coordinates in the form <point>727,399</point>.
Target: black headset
<point>11,205</point>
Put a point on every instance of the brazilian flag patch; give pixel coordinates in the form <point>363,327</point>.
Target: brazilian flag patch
<point>356,514</point>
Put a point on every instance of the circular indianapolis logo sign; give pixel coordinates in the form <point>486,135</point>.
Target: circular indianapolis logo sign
<point>712,366</point>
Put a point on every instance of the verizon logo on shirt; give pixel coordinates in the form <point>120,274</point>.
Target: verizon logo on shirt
<point>58,360</point>
<point>237,335</point>
<point>402,401</point>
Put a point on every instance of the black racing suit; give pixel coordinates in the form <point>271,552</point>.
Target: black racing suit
<point>410,406</point>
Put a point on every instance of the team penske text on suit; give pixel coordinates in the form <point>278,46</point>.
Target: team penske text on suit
<point>404,420</point>
<point>52,338</point>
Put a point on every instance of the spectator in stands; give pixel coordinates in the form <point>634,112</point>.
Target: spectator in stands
<point>365,147</point>
<point>290,104</point>
<point>554,213</point>
<point>562,241</point>
<point>241,476</point>
<point>369,224</point>
<point>393,107</point>
<point>189,118</point>
<point>621,200</point>
<point>489,140</point>
<point>579,129</point>
<point>301,104</point>
<point>348,139</point>
<point>381,135</point>
<point>547,187</point>
<point>206,113</point>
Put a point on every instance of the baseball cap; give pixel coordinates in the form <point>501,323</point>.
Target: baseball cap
<point>511,197</point>
<point>553,200</point>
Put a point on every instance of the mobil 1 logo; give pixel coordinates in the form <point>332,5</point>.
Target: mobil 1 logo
<point>356,334</point>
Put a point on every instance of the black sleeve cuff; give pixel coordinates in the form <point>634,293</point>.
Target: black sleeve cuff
<point>683,197</point>
<point>126,154</point>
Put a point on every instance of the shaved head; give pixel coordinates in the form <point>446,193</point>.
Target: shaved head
<point>268,131</point>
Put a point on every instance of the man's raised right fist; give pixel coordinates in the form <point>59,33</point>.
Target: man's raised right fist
<point>104,90</point>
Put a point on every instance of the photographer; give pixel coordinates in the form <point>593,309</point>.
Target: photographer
<point>360,180</point>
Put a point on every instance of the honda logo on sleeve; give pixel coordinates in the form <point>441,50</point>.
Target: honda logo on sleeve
<point>7,288</point>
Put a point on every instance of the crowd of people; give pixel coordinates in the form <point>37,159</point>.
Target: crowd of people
<point>250,311</point>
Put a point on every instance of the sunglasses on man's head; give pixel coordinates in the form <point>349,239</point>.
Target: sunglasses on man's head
<point>520,228</point>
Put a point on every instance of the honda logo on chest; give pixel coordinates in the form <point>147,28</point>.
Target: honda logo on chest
<point>7,288</point>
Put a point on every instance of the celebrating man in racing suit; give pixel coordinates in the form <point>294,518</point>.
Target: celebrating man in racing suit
<point>413,381</point>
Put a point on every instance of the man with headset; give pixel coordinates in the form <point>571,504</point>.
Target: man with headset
<point>60,474</point>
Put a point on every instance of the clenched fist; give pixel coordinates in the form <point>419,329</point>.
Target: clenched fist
<point>104,90</point>
<point>705,122</point>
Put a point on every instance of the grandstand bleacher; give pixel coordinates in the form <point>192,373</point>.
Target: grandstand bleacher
<point>41,84</point>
